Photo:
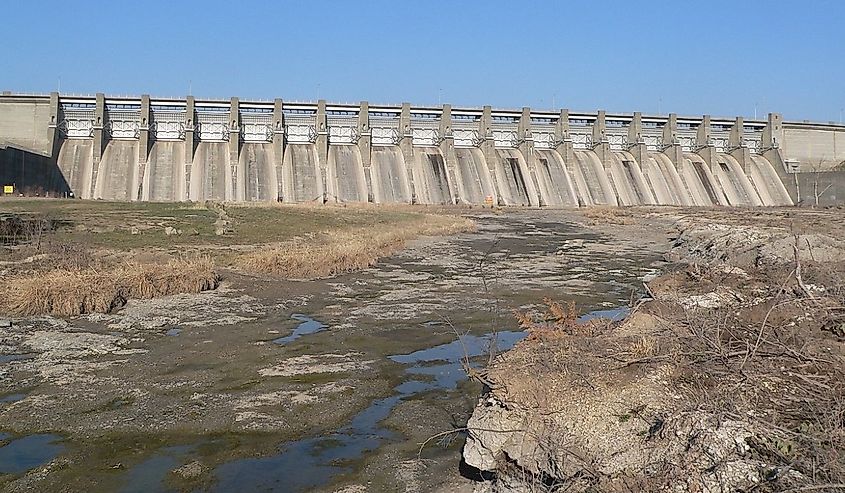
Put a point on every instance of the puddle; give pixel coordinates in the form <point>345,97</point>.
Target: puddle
<point>31,451</point>
<point>148,476</point>
<point>7,358</point>
<point>13,398</point>
<point>175,331</point>
<point>314,462</point>
<point>449,371</point>
<point>307,326</point>
<point>307,464</point>
<point>615,314</point>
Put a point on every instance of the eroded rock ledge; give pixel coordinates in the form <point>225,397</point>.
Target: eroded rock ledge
<point>730,379</point>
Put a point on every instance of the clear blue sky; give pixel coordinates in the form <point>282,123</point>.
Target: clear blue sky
<point>717,57</point>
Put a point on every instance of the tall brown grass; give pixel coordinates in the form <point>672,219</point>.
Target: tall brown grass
<point>333,253</point>
<point>608,215</point>
<point>74,291</point>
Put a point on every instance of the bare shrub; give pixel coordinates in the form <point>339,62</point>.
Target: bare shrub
<point>645,346</point>
<point>558,319</point>
<point>776,376</point>
<point>16,230</point>
<point>67,255</point>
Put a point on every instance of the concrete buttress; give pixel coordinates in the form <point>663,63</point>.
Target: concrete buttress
<point>447,148</point>
<point>704,143</point>
<point>99,139</point>
<point>563,141</point>
<point>323,146</point>
<point>736,144</point>
<point>190,148</point>
<point>406,145</point>
<point>53,134</point>
<point>671,144</point>
<point>636,144</point>
<point>143,144</point>
<point>601,146</point>
<point>364,146</point>
<point>488,148</point>
<point>237,173</point>
<point>278,147</point>
<point>526,147</point>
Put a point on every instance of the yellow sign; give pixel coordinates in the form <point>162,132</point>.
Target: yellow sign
<point>488,200</point>
<point>8,189</point>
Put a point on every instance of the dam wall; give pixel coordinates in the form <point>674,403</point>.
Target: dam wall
<point>160,149</point>
<point>814,146</point>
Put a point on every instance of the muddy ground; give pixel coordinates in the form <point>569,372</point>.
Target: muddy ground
<point>273,384</point>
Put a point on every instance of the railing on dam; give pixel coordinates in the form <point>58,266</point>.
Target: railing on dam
<point>386,125</point>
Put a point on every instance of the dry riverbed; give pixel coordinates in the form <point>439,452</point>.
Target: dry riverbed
<point>327,385</point>
<point>333,384</point>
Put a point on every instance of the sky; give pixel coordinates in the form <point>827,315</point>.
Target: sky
<point>725,58</point>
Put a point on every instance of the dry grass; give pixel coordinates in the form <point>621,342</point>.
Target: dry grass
<point>74,291</point>
<point>332,253</point>
<point>67,258</point>
<point>645,347</point>
<point>608,215</point>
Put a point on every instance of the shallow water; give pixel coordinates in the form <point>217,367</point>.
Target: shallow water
<point>615,314</point>
<point>307,326</point>
<point>148,476</point>
<point>305,464</point>
<point>22,454</point>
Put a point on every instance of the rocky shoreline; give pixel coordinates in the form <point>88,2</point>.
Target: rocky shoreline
<point>728,377</point>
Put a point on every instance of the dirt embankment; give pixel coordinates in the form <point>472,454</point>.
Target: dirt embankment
<point>731,378</point>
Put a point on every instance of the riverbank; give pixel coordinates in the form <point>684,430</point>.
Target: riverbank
<point>729,376</point>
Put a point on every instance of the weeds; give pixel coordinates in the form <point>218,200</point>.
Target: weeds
<point>69,291</point>
<point>608,215</point>
<point>333,253</point>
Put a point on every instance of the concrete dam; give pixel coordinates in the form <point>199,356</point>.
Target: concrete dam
<point>151,149</point>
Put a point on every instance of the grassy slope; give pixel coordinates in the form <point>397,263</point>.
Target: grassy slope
<point>95,241</point>
<point>109,224</point>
